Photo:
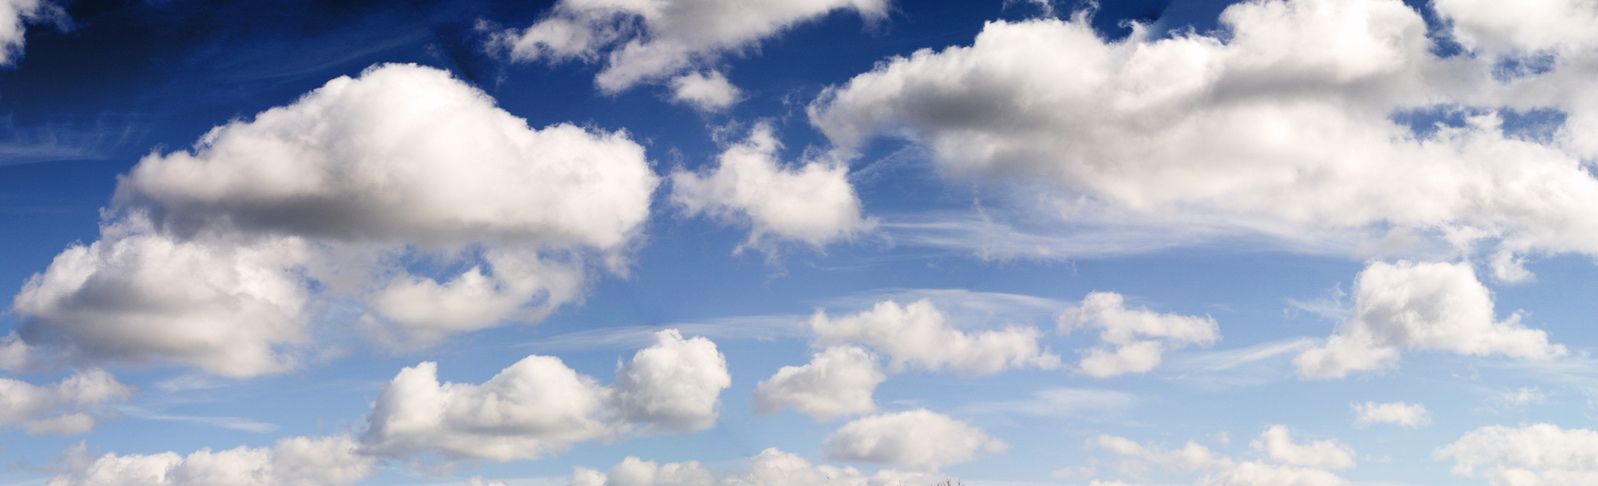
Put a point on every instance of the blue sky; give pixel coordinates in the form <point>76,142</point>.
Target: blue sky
<point>798,242</point>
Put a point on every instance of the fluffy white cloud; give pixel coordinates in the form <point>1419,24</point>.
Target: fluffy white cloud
<point>1136,338</point>
<point>1537,454</point>
<point>1320,454</point>
<point>917,439</point>
<point>705,92</point>
<point>1521,28</point>
<point>1285,118</point>
<point>1397,413</point>
<point>539,405</point>
<point>14,17</point>
<point>1291,464</point>
<point>814,203</point>
<point>293,461</point>
<point>646,41</point>
<point>838,381</point>
<point>673,386</point>
<point>917,335</point>
<point>209,257</point>
<point>1437,306</point>
<point>71,407</point>
<point>771,467</point>
<point>223,306</point>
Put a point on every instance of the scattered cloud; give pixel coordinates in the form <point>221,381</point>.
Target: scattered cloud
<point>1531,454</point>
<point>917,439</point>
<point>539,405</point>
<point>73,406</point>
<point>1289,463</point>
<point>645,42</point>
<point>1408,305</point>
<point>813,204</point>
<point>917,335</point>
<point>772,467</point>
<point>1397,413</point>
<point>331,461</point>
<point>838,381</point>
<point>1135,338</point>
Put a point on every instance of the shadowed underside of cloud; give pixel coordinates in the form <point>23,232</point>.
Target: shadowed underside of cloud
<point>1284,119</point>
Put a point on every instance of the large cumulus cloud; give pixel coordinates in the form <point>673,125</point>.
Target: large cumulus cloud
<point>220,256</point>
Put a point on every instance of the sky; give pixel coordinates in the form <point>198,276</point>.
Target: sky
<point>798,242</point>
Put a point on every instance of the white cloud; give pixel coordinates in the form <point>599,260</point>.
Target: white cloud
<point>647,41</point>
<point>1136,338</point>
<point>1397,413</point>
<point>705,92</point>
<point>1320,454</point>
<point>1059,402</point>
<point>838,381</point>
<point>1282,119</point>
<point>1537,454</point>
<point>771,467</point>
<point>673,386</point>
<point>1290,464</point>
<point>917,335</point>
<point>223,306</point>
<point>1521,28</point>
<point>71,407</point>
<point>14,17</point>
<point>917,439</point>
<point>293,461</point>
<point>14,353</point>
<point>209,256</point>
<point>539,406</point>
<point>813,203</point>
<point>1437,306</point>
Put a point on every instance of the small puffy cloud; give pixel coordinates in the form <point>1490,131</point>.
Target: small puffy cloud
<point>539,406</point>
<point>917,335</point>
<point>1287,120</point>
<point>295,461</point>
<point>771,467</point>
<point>1528,455</point>
<point>71,407</point>
<point>1290,464</point>
<point>1134,338</point>
<point>1320,454</point>
<point>1521,28</point>
<point>705,92</point>
<point>215,256</point>
<point>1397,413</point>
<point>1439,306</point>
<point>813,203</point>
<point>14,17</point>
<point>647,41</point>
<point>674,386</point>
<point>838,381</point>
<point>917,439</point>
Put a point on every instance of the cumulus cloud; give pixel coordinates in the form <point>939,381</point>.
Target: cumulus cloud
<point>14,17</point>
<point>813,203</point>
<point>291,462</point>
<point>73,406</point>
<point>771,467</point>
<point>705,92</point>
<point>838,381</point>
<point>1290,464</point>
<point>647,41</point>
<point>1135,338</point>
<point>1527,455</point>
<point>1523,28</point>
<point>539,406</point>
<point>1438,306</point>
<point>1397,413</point>
<point>917,439</point>
<point>216,256</point>
<point>917,335</point>
<point>1287,117</point>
